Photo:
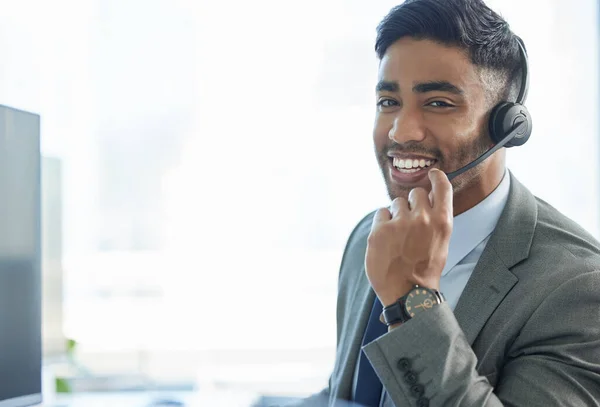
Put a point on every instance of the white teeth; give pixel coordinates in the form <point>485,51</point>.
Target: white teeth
<point>412,165</point>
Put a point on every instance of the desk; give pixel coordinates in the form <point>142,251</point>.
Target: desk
<point>151,399</point>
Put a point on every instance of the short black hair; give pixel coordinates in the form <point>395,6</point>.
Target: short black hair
<point>467,24</point>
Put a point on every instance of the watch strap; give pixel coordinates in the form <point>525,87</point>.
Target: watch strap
<point>396,314</point>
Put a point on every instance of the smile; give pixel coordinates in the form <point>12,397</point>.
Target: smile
<point>409,166</point>
<point>410,170</point>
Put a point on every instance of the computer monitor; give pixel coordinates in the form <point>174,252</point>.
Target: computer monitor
<point>20,260</point>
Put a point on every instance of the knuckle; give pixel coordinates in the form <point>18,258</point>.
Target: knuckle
<point>398,202</point>
<point>422,218</point>
<point>376,235</point>
<point>447,228</point>
<point>415,192</point>
<point>379,212</point>
<point>444,222</point>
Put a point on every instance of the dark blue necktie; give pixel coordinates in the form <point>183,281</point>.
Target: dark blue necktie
<point>368,386</point>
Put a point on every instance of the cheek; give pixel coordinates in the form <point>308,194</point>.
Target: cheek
<point>381,131</point>
<point>447,135</point>
<point>453,132</point>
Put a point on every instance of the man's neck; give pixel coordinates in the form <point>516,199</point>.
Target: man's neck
<point>478,189</point>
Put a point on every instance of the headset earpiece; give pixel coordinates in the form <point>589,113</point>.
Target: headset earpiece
<point>505,117</point>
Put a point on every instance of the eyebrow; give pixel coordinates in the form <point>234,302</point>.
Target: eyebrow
<point>423,87</point>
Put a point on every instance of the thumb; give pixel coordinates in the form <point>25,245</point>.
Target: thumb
<point>441,189</point>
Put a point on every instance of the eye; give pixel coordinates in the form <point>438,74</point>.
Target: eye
<point>439,103</point>
<point>387,103</point>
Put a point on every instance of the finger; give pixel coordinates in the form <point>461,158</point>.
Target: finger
<point>399,206</point>
<point>381,216</point>
<point>418,199</point>
<point>441,189</point>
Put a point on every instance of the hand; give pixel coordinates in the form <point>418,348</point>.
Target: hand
<point>408,243</point>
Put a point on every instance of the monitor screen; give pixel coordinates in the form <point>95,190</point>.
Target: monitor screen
<point>20,261</point>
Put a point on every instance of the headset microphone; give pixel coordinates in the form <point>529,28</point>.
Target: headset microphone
<point>509,124</point>
<point>519,127</point>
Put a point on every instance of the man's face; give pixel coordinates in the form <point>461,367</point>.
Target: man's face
<point>431,112</point>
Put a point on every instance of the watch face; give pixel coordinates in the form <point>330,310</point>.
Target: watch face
<point>419,300</point>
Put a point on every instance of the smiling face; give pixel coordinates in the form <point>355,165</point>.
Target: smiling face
<point>432,111</point>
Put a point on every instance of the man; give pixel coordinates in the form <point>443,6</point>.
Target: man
<point>519,320</point>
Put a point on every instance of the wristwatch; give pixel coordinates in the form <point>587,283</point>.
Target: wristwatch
<point>418,299</point>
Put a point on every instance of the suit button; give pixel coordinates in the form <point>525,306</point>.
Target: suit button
<point>417,390</point>
<point>404,365</point>
<point>410,377</point>
<point>423,402</point>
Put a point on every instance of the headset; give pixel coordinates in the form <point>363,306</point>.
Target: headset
<point>509,124</point>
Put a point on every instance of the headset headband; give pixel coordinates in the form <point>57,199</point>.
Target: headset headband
<point>525,73</point>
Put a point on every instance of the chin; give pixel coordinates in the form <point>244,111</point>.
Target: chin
<point>397,191</point>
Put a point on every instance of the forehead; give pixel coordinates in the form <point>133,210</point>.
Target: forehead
<point>409,61</point>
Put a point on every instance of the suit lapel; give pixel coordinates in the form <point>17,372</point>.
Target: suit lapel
<point>488,285</point>
<point>492,279</point>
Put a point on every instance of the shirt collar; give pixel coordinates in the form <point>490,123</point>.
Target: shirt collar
<point>470,228</point>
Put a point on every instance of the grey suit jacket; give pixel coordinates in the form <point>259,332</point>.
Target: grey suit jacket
<point>525,332</point>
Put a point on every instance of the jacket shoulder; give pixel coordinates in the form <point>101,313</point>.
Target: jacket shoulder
<point>356,245</point>
<point>564,237</point>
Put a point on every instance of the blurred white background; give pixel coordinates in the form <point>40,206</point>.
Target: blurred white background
<point>217,154</point>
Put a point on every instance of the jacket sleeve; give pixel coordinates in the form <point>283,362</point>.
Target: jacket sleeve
<point>554,361</point>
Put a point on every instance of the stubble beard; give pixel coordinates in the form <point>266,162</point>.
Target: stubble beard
<point>465,154</point>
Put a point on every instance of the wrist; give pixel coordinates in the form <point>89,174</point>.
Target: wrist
<point>398,291</point>
<point>391,296</point>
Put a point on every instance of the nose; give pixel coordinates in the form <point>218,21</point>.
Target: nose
<point>407,126</point>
